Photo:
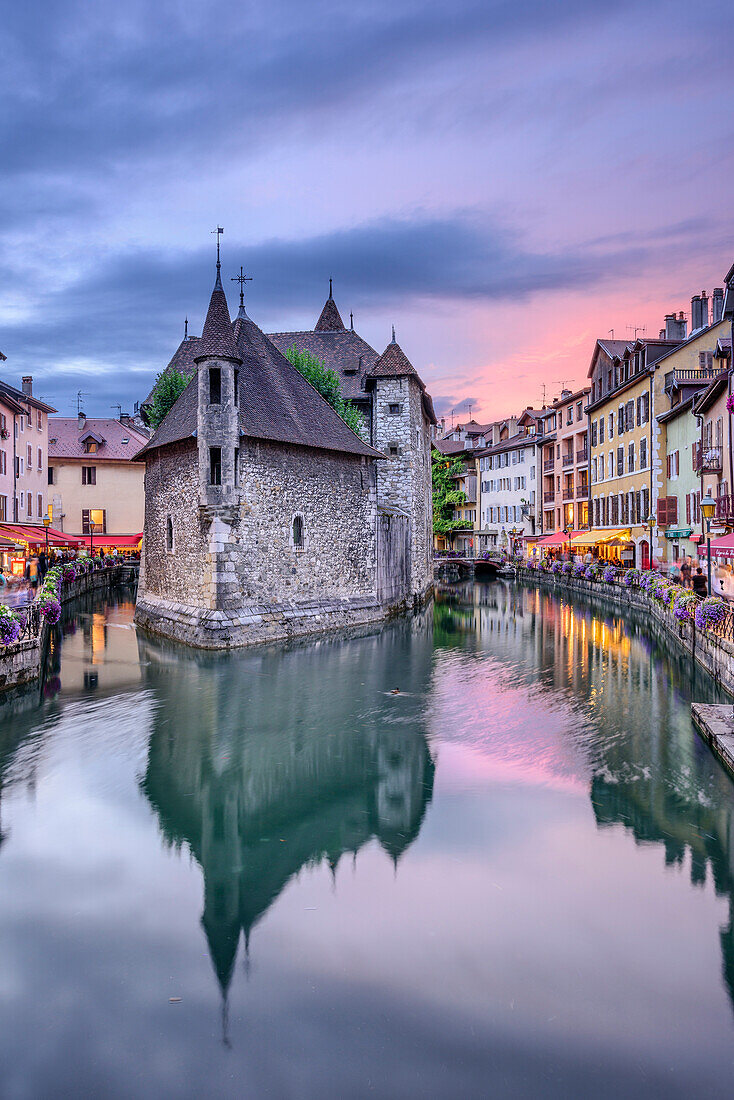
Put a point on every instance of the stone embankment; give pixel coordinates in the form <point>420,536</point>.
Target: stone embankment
<point>22,662</point>
<point>714,653</point>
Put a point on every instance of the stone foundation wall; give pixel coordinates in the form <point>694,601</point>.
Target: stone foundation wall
<point>713,653</point>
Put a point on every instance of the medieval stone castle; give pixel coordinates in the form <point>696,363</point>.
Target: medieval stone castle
<point>266,517</point>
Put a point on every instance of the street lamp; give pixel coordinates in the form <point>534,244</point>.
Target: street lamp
<point>651,521</point>
<point>47,524</point>
<point>567,533</point>
<point>91,536</point>
<point>708,507</point>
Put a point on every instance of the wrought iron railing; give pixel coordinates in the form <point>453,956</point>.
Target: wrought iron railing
<point>549,466</point>
<point>725,506</point>
<point>567,460</point>
<point>582,455</point>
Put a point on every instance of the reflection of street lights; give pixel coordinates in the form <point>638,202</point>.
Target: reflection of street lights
<point>708,507</point>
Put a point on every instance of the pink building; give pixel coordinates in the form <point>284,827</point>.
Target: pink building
<point>23,454</point>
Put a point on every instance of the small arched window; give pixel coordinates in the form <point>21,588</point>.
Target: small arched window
<point>297,531</point>
<point>169,534</point>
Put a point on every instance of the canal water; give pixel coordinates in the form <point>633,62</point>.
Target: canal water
<point>479,852</point>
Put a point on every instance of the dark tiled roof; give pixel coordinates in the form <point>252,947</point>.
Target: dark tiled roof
<point>394,363</point>
<point>65,439</point>
<point>330,319</point>
<point>344,352</point>
<point>217,338</point>
<point>452,446</point>
<point>275,402</point>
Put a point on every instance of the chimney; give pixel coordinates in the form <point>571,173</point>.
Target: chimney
<point>704,309</point>
<point>81,421</point>
<point>675,327</point>
<point>717,305</point>
<point>28,385</point>
<point>696,313</point>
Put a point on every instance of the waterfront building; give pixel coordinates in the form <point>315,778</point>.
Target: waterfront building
<point>684,450</point>
<point>23,454</point>
<point>96,477</point>
<point>508,485</point>
<point>621,429</point>
<point>564,455</point>
<point>265,515</point>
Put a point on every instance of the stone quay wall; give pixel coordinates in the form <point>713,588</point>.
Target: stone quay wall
<point>21,664</point>
<point>713,653</point>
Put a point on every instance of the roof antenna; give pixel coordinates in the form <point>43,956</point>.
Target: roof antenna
<point>119,410</point>
<point>393,334</point>
<point>611,333</point>
<point>79,402</point>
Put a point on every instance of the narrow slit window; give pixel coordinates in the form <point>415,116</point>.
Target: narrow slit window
<point>236,465</point>
<point>215,386</point>
<point>297,531</point>
<point>169,534</point>
<point>236,387</point>
<point>215,465</point>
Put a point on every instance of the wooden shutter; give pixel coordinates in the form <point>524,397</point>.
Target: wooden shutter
<point>662,512</point>
<point>688,507</point>
<point>672,509</point>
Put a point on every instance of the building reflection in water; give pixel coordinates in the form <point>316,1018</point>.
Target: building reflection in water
<point>266,762</point>
<point>648,771</point>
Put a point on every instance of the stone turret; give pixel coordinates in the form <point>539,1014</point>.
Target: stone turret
<point>217,421</point>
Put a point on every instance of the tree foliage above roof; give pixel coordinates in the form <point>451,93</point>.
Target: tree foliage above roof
<point>169,385</point>
<point>329,385</point>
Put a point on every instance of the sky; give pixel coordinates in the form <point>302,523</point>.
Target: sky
<point>503,182</point>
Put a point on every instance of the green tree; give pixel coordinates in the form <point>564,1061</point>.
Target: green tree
<point>169,385</point>
<point>446,496</point>
<point>329,385</point>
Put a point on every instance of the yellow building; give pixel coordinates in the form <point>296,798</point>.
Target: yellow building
<point>94,479</point>
<point>622,442</point>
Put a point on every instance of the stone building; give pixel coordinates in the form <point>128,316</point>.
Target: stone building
<point>265,515</point>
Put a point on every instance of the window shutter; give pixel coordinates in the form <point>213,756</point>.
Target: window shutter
<point>662,512</point>
<point>639,411</point>
<point>672,509</point>
<point>667,466</point>
<point>688,507</point>
<point>677,463</point>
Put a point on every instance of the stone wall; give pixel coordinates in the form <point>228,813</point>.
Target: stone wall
<point>393,557</point>
<point>404,478</point>
<point>235,575</point>
<point>711,652</point>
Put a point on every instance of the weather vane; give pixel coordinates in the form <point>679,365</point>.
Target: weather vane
<point>219,231</point>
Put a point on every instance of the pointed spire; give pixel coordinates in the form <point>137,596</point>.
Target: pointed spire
<point>331,293</point>
<point>351,321</point>
<point>330,319</point>
<point>217,341</point>
<point>186,328</point>
<point>393,341</point>
<point>393,363</point>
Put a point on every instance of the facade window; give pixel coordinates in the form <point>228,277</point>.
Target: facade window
<point>236,465</point>
<point>39,420</point>
<point>569,415</point>
<point>3,462</point>
<point>40,505</point>
<point>643,454</point>
<point>3,508</point>
<point>90,447</point>
<point>611,427</point>
<point>29,458</point>
<point>89,475</point>
<point>236,386</point>
<point>169,534</point>
<point>215,386</point>
<point>394,409</point>
<point>601,429</point>
<point>631,459</point>
<point>215,465</point>
<point>393,450</point>
<point>579,410</point>
<point>52,475</point>
<point>29,504</point>
<point>620,461</point>
<point>40,459</point>
<point>96,516</point>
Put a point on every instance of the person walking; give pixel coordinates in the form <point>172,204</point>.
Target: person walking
<point>685,571</point>
<point>700,584</point>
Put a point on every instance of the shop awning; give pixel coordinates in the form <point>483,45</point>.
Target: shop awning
<point>598,538</point>
<point>721,548</point>
<point>678,532</point>
<point>36,536</point>
<point>558,539</point>
<point>118,542</point>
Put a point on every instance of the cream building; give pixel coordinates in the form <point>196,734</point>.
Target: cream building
<point>93,477</point>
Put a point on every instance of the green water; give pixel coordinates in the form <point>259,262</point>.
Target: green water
<point>267,874</point>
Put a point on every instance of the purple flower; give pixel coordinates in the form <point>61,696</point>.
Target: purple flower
<point>609,574</point>
<point>579,569</point>
<point>710,613</point>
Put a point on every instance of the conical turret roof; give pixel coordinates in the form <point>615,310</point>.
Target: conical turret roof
<point>330,319</point>
<point>393,363</point>
<point>217,340</point>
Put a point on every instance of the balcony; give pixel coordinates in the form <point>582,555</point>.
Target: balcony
<point>725,507</point>
<point>548,466</point>
<point>567,492</point>
<point>693,376</point>
<point>567,460</point>
<point>708,460</point>
<point>549,498</point>
<point>582,491</point>
<point>582,455</point>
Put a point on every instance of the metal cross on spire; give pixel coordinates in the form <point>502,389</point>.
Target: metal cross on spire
<point>219,230</point>
<point>241,279</point>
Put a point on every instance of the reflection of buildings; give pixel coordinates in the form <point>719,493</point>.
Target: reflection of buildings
<point>263,763</point>
<point>648,770</point>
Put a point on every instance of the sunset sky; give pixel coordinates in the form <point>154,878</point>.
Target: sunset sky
<point>504,182</point>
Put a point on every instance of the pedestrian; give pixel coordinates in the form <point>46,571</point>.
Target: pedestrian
<point>700,586</point>
<point>675,573</point>
<point>685,571</point>
<point>42,565</point>
<point>31,572</point>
